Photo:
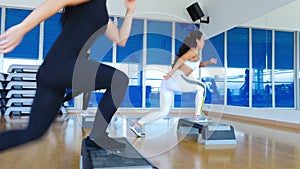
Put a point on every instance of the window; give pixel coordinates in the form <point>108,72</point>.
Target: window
<point>213,75</point>
<point>101,50</point>
<point>262,68</point>
<point>52,29</point>
<point>129,60</point>
<point>182,100</point>
<point>238,67</point>
<point>284,69</point>
<point>159,56</point>
<point>29,48</point>
<point>1,18</point>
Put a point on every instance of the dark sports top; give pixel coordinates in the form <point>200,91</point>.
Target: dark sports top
<point>82,25</point>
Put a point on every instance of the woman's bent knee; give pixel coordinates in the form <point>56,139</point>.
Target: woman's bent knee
<point>120,79</point>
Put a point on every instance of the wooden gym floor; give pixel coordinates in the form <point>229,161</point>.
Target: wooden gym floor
<point>258,146</point>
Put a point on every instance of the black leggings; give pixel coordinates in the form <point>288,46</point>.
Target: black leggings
<point>48,101</point>
<point>66,66</point>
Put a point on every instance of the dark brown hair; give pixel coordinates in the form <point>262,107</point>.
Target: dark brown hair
<point>188,43</point>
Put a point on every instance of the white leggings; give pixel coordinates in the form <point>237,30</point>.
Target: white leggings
<point>178,83</point>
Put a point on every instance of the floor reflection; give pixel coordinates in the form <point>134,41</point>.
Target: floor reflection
<point>264,147</point>
<point>257,146</point>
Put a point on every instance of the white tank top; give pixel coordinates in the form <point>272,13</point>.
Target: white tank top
<point>193,64</point>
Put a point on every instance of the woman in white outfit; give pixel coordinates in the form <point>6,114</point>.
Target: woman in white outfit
<point>179,79</point>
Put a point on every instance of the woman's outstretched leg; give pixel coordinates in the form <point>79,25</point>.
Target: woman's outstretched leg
<point>45,109</point>
<point>166,99</point>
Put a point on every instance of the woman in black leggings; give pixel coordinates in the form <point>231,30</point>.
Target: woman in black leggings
<point>66,66</point>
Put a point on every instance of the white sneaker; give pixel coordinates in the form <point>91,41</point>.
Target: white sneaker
<point>202,118</point>
<point>137,130</point>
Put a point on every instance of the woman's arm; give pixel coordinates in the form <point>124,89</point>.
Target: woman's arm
<point>14,35</point>
<point>211,61</point>
<point>188,55</point>
<point>121,36</point>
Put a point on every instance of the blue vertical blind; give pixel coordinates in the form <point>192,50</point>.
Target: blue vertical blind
<point>101,50</point>
<point>284,50</point>
<point>159,42</point>
<point>0,17</point>
<point>52,29</point>
<point>132,55</point>
<point>159,52</point>
<point>261,48</point>
<point>238,48</point>
<point>214,48</point>
<point>284,69</point>
<point>238,67</point>
<point>132,52</point>
<point>262,65</point>
<point>29,47</point>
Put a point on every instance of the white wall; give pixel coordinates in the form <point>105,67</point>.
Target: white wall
<point>20,3</point>
<point>230,13</point>
<point>284,18</point>
<point>223,14</point>
<point>171,10</point>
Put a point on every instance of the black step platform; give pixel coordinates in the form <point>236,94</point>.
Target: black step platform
<point>127,158</point>
<point>209,133</point>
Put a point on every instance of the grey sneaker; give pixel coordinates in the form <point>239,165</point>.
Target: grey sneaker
<point>202,118</point>
<point>105,142</point>
<point>136,128</point>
